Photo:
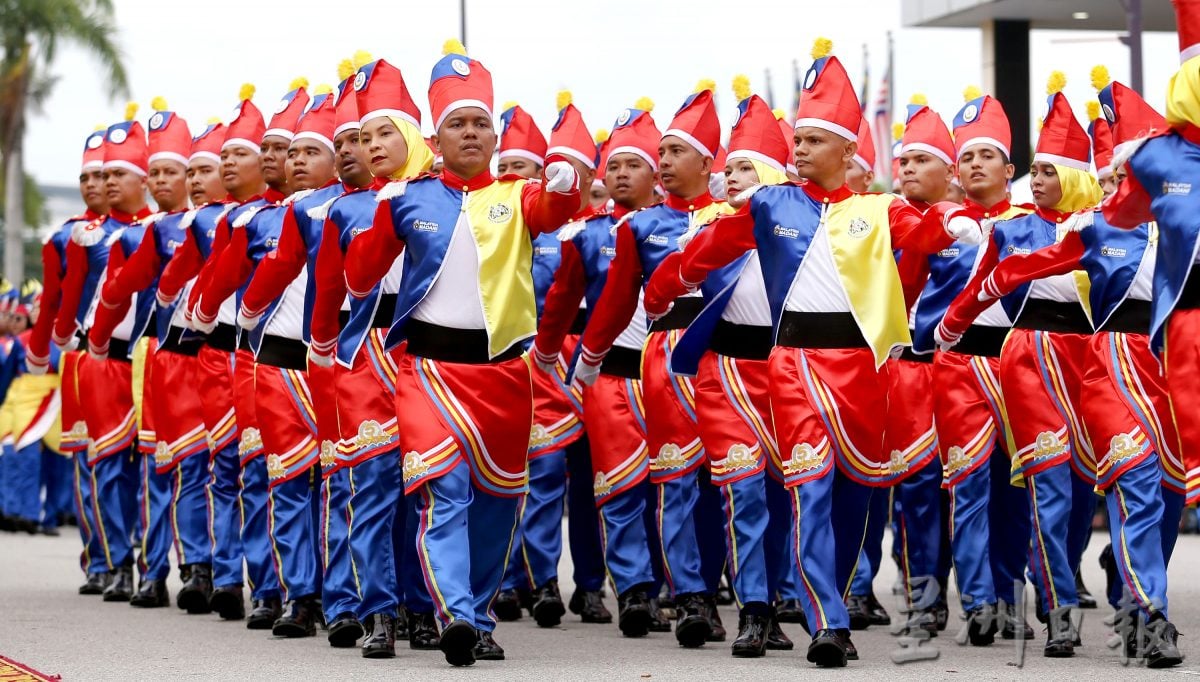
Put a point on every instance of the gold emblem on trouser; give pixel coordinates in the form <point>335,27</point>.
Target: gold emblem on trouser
<point>78,432</point>
<point>601,486</point>
<point>328,454</point>
<point>670,456</point>
<point>162,453</point>
<point>956,460</point>
<point>414,466</point>
<point>251,441</point>
<point>896,463</point>
<point>538,436</point>
<point>740,456</point>
<point>804,458</point>
<point>1123,447</point>
<point>1047,445</point>
<point>275,468</point>
<point>371,432</point>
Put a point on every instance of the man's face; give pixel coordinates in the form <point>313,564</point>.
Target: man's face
<point>629,180</point>
<point>924,177</point>
<point>309,164</point>
<point>518,165</point>
<point>168,185</point>
<point>1109,184</point>
<point>598,195</point>
<point>273,155</point>
<point>204,181</point>
<point>858,179</point>
<point>683,169</point>
<point>351,159</point>
<point>739,175</point>
<point>91,188</point>
<point>384,147</point>
<point>125,190</point>
<point>820,154</point>
<point>983,170</point>
<point>241,171</point>
<point>467,139</point>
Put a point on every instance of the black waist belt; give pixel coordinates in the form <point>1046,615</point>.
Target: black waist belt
<point>820,330</point>
<point>118,350</point>
<point>223,338</point>
<point>448,344</point>
<point>1053,316</point>
<point>1131,317</point>
<point>1190,298</point>
<point>908,354</point>
<point>383,313</point>
<point>622,362</point>
<point>982,340</point>
<point>744,341</point>
<point>244,342</point>
<point>686,309</point>
<point>280,351</point>
<point>579,322</point>
<point>176,344</point>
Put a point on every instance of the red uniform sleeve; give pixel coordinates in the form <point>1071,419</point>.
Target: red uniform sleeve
<point>132,275</point>
<point>914,272</point>
<point>967,306</point>
<point>52,274</point>
<point>1129,206</point>
<point>618,302</point>
<point>920,232</point>
<point>330,281</point>
<point>205,274</point>
<point>547,211</point>
<point>278,269</point>
<point>184,265</point>
<point>232,268</point>
<point>1056,259</point>
<point>109,315</point>
<point>714,247</point>
<point>371,254</point>
<point>562,301</point>
<point>77,271</point>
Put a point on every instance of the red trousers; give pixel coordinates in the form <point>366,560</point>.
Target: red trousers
<point>733,410</point>
<point>214,379</point>
<point>106,392</point>
<point>612,408</point>
<point>911,440</point>
<point>670,400</point>
<point>1181,361</point>
<point>74,428</point>
<point>366,401</point>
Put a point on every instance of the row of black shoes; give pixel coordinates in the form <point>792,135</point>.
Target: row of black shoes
<point>545,605</point>
<point>16,524</point>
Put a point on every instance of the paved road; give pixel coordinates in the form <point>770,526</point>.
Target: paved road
<point>44,624</point>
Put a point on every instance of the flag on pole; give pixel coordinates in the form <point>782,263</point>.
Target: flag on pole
<point>881,127</point>
<point>866,80</point>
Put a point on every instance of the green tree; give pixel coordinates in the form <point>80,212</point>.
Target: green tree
<point>31,32</point>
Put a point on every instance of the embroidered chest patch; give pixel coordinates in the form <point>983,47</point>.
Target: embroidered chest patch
<point>859,228</point>
<point>499,213</point>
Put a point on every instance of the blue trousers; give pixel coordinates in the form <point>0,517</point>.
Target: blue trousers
<point>537,546</point>
<point>463,542</point>
<point>339,575</point>
<point>623,536</point>
<point>583,520</point>
<point>920,534</point>
<point>115,485</point>
<point>256,538</point>
<point>1055,494</point>
<point>378,495</point>
<point>871,557</point>
<point>293,535</point>
<point>830,517</point>
<point>675,509</point>
<point>779,540</point>
<point>710,514</point>
<point>1008,541</point>
<point>413,592</point>
<point>653,539</point>
<point>747,515</point>
<point>190,510</point>
<point>23,481</point>
<point>1140,512</point>
<point>92,558</point>
<point>225,516</point>
<point>56,481</point>
<point>154,507</point>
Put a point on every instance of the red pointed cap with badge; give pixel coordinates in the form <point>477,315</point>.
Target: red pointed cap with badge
<point>789,134</point>
<point>93,150</point>
<point>380,90</point>
<point>924,131</point>
<point>570,136</point>
<point>458,82</point>
<point>1062,140</point>
<point>125,144</point>
<point>1129,117</point>
<point>168,133</point>
<point>318,122</point>
<point>601,138</point>
<point>828,100</point>
<point>345,116</point>
<point>981,121</point>
<point>865,155</point>
<point>289,110</point>
<point>1187,20</point>
<point>207,145</point>
<point>520,136</point>
<point>247,127</point>
<point>697,123</point>
<point>756,134</point>
<point>636,133</point>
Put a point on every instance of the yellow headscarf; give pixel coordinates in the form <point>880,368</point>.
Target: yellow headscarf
<point>1183,95</point>
<point>766,174</point>
<point>1080,189</point>
<point>420,158</point>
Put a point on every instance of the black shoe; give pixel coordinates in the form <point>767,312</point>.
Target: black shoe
<point>49,531</point>
<point>718,633</point>
<point>507,606</point>
<point>634,616</point>
<point>659,620</point>
<point>95,584</point>
<point>402,623</point>
<point>263,613</point>
<point>876,614</point>
<point>589,606</point>
<point>751,640</point>
<point>856,607</point>
<point>1162,643</point>
<point>121,587</point>
<point>548,608</point>
<point>941,612</point>
<point>692,625</point>
<point>827,650</point>
<point>1086,600</point>
<point>486,649</point>
<point>422,631</point>
<point>777,640</point>
<point>381,636</point>
<point>151,594</point>
<point>458,643</point>
<point>299,619</point>
<point>1010,620</point>
<point>920,619</point>
<point>228,603</point>
<point>345,631</point>
<point>197,589</point>
<point>1060,634</point>
<point>982,625</point>
<point>724,595</point>
<point>851,650</point>
<point>789,611</point>
<point>1112,577</point>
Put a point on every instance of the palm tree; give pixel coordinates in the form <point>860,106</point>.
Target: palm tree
<point>30,34</point>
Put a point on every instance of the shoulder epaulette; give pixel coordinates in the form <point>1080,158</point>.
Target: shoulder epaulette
<point>296,196</point>
<point>392,190</point>
<point>571,230</point>
<point>149,220</point>
<point>116,235</point>
<point>322,212</point>
<point>246,216</point>
<point>88,233</point>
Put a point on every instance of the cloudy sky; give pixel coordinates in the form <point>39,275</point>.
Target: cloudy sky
<point>197,54</point>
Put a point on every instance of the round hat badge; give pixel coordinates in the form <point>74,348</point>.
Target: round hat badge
<point>460,67</point>
<point>117,136</point>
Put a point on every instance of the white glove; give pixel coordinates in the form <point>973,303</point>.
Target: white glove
<point>544,361</point>
<point>96,352</point>
<point>199,323</point>
<point>36,366</point>
<point>315,358</point>
<point>561,177</point>
<point>944,339</point>
<point>67,345</point>
<point>716,185</point>
<point>246,321</point>
<point>965,230</point>
<point>653,317</point>
<point>585,374</point>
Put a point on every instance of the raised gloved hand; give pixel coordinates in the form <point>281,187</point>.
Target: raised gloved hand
<point>716,185</point>
<point>945,338</point>
<point>199,323</point>
<point>247,321</point>
<point>587,368</point>
<point>561,177</point>
<point>964,229</point>
<point>319,359</point>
